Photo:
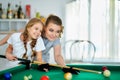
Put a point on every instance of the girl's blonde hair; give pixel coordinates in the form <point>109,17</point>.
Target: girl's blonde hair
<point>32,22</point>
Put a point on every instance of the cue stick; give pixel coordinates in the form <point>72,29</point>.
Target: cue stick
<point>20,59</point>
<point>55,65</point>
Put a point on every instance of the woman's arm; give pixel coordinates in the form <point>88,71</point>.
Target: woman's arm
<point>9,54</point>
<point>58,56</point>
<point>4,40</point>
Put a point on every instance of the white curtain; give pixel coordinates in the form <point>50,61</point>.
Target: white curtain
<point>97,21</point>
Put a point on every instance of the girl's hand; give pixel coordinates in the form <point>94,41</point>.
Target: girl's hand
<point>10,57</point>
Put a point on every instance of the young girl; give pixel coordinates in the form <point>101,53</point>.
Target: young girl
<point>51,36</point>
<point>27,44</point>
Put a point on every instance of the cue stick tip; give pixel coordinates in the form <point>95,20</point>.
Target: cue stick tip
<point>99,72</point>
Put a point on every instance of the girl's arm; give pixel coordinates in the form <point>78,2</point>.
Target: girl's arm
<point>58,56</point>
<point>38,48</point>
<point>39,56</point>
<point>9,54</point>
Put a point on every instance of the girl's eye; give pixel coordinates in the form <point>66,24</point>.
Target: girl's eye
<point>58,31</point>
<point>36,28</point>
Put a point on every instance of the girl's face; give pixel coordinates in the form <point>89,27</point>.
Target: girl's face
<point>35,31</point>
<point>52,31</point>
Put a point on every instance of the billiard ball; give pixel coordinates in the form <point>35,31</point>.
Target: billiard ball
<point>30,76</point>
<point>104,68</point>
<point>68,76</point>
<point>106,73</point>
<point>26,78</point>
<point>7,76</point>
<point>44,77</point>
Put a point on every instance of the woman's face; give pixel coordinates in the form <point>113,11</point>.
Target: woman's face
<point>52,31</point>
<point>35,31</point>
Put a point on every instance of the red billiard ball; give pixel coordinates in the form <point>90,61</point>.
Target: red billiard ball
<point>44,77</point>
<point>104,68</point>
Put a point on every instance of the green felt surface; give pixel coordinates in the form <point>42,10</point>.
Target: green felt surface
<point>19,72</point>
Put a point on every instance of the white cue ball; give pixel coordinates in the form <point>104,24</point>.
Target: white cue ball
<point>106,73</point>
<point>68,76</point>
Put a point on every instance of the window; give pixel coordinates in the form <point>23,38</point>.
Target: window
<point>97,21</point>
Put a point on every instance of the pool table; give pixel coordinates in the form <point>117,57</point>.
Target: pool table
<point>56,73</point>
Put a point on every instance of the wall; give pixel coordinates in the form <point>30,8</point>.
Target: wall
<point>45,7</point>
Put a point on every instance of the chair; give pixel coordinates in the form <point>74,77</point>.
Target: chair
<point>80,51</point>
<point>66,50</point>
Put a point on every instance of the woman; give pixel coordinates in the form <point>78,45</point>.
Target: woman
<point>51,36</point>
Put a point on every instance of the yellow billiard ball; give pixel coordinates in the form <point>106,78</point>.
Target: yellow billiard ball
<point>68,76</point>
<point>107,73</point>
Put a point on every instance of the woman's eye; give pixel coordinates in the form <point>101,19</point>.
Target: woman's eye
<point>51,30</point>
